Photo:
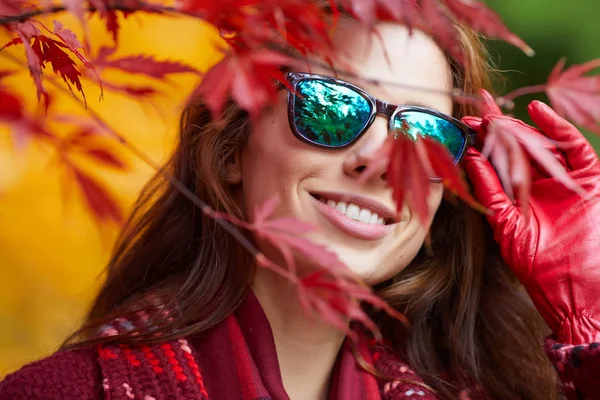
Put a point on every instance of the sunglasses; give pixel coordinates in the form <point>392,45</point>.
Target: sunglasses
<point>330,113</point>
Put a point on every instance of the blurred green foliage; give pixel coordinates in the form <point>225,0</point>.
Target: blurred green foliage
<point>554,29</point>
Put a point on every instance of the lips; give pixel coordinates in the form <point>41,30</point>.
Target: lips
<point>357,216</point>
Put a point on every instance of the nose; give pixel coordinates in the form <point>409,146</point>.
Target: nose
<point>362,153</point>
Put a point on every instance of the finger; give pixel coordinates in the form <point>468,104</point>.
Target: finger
<point>578,151</point>
<point>487,187</point>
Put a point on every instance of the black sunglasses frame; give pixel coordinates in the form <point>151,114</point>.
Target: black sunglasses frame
<point>378,107</point>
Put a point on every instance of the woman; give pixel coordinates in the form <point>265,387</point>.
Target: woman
<point>238,332</point>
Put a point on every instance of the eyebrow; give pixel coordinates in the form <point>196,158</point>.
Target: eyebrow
<point>416,104</point>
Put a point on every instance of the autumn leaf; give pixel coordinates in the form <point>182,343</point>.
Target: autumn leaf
<point>370,11</point>
<point>300,23</point>
<point>76,7</point>
<point>12,106</point>
<point>516,151</point>
<point>340,300</point>
<point>12,7</point>
<point>442,164</point>
<point>248,78</point>
<point>286,235</point>
<point>103,206</point>
<point>135,64</point>
<point>574,95</point>
<point>140,64</point>
<point>12,113</point>
<point>134,91</point>
<point>105,157</point>
<point>69,39</point>
<point>228,15</point>
<point>90,139</point>
<point>25,32</point>
<point>108,11</point>
<point>413,186</point>
<point>537,146</point>
<point>481,19</point>
<point>398,155</point>
<point>332,290</point>
<point>47,50</point>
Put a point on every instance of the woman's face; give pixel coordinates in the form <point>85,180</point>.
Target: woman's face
<point>275,162</point>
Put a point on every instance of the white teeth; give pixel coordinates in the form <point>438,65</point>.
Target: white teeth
<point>341,207</point>
<point>364,216</point>
<point>354,212</point>
<point>373,219</point>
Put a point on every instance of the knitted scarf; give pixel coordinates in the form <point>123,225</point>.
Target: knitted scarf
<point>237,360</point>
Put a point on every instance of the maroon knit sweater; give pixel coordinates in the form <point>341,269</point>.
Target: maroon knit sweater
<point>237,360</point>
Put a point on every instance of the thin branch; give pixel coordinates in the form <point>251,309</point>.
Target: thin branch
<point>523,91</point>
<point>5,20</point>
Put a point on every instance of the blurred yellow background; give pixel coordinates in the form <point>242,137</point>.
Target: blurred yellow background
<point>52,251</point>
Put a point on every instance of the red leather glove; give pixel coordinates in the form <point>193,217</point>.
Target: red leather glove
<point>555,253</point>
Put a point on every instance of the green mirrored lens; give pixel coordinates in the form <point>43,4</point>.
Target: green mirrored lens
<point>328,113</point>
<point>415,123</point>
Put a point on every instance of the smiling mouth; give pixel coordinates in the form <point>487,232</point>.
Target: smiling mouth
<point>355,212</point>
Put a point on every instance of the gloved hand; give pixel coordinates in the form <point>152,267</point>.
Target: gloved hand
<point>555,252</point>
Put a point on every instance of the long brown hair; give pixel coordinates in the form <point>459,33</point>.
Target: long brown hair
<point>471,323</point>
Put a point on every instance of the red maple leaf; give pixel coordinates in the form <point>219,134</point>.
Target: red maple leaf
<point>339,301</point>
<point>514,137</point>
<point>286,235</point>
<point>412,187</point>
<point>370,11</point>
<point>25,32</point>
<point>109,10</point>
<point>13,114</point>
<point>332,290</point>
<point>436,22</point>
<point>576,96</point>
<point>248,78</point>
<point>69,39</point>
<point>226,15</point>
<point>85,141</point>
<point>425,158</point>
<point>481,19</point>
<point>12,106</point>
<point>517,151</point>
<point>300,23</point>
<point>397,155</point>
<point>10,8</point>
<point>47,50</point>
<point>102,204</point>
<point>140,64</point>
<point>134,91</point>
<point>442,164</point>
<point>134,64</point>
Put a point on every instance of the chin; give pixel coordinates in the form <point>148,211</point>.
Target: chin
<point>369,267</point>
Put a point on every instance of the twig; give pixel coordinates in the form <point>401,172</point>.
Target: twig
<point>523,91</point>
<point>5,20</point>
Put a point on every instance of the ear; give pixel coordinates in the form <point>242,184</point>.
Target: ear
<point>233,173</point>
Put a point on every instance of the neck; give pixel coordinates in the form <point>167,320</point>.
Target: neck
<point>307,347</point>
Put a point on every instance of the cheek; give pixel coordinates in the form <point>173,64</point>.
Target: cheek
<point>409,240</point>
<point>274,163</point>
